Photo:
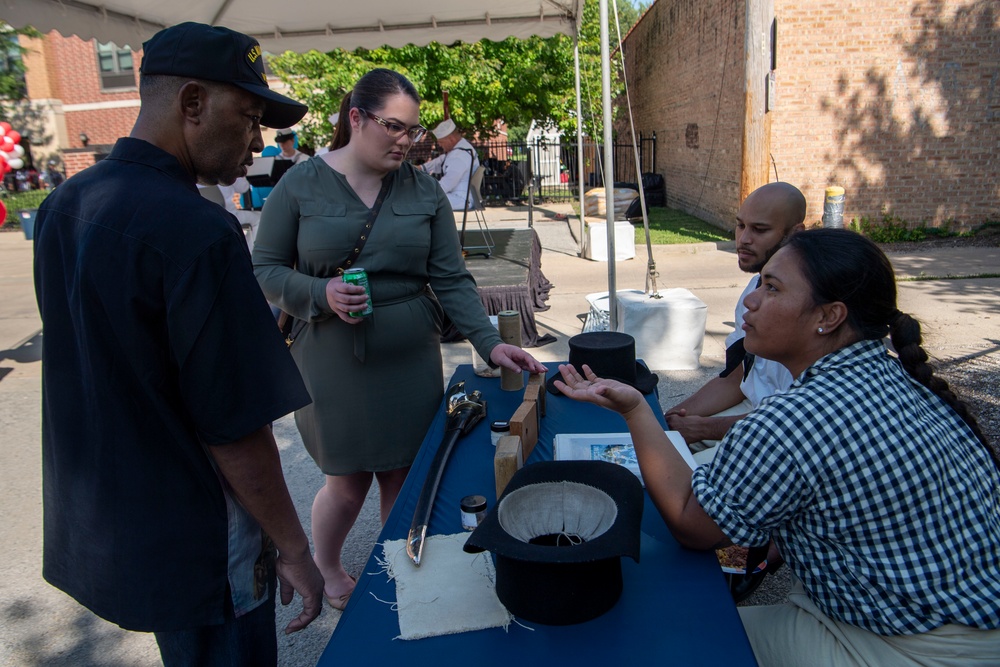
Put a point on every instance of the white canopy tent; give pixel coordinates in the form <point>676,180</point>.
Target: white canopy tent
<point>302,25</point>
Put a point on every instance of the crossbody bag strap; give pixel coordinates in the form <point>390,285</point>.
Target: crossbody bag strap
<point>289,326</point>
<point>369,223</point>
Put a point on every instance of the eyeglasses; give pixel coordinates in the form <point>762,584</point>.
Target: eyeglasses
<point>395,130</point>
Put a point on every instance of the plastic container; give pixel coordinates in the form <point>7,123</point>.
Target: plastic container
<point>499,429</point>
<point>473,511</point>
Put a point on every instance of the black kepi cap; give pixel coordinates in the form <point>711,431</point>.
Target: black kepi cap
<point>214,53</point>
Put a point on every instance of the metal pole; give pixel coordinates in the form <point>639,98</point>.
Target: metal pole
<point>579,140</point>
<point>609,167</point>
<point>531,188</point>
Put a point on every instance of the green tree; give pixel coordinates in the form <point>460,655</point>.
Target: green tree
<point>15,108</point>
<point>11,63</point>
<point>514,80</point>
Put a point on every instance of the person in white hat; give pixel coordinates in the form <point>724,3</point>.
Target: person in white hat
<point>454,166</point>
<point>286,140</point>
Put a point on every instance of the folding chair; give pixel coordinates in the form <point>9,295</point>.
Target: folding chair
<point>476,206</point>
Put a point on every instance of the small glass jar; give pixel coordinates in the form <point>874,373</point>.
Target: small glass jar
<point>473,511</point>
<point>499,429</point>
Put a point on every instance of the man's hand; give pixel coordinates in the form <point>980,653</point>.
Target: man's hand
<point>300,574</point>
<point>695,428</point>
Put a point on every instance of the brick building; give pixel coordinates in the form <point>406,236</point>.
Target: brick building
<point>897,102</point>
<point>86,94</point>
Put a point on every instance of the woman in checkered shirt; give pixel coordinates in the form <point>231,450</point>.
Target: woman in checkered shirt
<point>870,475</point>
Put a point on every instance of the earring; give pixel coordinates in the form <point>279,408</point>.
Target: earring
<point>820,330</point>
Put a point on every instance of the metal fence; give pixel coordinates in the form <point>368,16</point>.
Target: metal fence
<point>549,168</point>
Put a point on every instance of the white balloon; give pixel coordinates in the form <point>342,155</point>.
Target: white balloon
<point>4,154</point>
<point>16,163</point>
<point>18,150</point>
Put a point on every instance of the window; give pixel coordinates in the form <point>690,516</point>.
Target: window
<point>12,85</point>
<point>114,64</point>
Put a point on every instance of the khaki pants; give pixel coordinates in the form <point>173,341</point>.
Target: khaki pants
<point>798,634</point>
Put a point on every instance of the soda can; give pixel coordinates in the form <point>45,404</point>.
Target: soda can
<point>360,277</point>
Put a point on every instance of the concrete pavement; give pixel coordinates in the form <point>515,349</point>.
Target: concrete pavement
<point>41,626</point>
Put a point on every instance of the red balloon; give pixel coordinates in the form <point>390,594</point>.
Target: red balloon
<point>6,145</point>
<point>5,167</point>
<point>5,125</point>
<point>14,136</point>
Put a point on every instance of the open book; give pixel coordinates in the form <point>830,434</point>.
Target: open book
<point>611,447</point>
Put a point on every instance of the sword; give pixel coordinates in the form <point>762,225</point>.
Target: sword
<point>464,412</point>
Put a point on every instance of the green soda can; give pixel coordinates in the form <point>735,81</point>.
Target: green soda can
<point>360,277</point>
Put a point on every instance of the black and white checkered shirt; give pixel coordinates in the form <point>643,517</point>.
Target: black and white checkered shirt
<point>879,496</point>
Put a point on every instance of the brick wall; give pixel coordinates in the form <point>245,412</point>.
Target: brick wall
<point>684,61</point>
<point>78,82</point>
<point>37,73</point>
<point>898,102</point>
<point>76,160</point>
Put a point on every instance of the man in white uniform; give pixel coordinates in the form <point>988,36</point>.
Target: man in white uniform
<point>768,215</point>
<point>248,219</point>
<point>286,141</point>
<point>454,166</point>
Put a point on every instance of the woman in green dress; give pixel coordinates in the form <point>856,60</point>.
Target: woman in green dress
<point>375,381</point>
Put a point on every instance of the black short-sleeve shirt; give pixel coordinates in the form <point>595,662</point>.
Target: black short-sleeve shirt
<point>157,342</point>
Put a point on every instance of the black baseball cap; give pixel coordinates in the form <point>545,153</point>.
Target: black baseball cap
<point>219,54</point>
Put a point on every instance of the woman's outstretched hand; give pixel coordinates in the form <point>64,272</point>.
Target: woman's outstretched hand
<point>589,388</point>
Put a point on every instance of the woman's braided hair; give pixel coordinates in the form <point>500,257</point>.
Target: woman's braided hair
<point>841,265</point>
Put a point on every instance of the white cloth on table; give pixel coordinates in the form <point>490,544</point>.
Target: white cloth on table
<point>452,591</point>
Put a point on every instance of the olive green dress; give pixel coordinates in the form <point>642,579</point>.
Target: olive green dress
<point>375,386</point>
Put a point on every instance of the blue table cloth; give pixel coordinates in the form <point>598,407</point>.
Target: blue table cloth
<point>675,607</point>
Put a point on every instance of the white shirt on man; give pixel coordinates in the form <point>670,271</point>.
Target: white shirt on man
<point>455,167</point>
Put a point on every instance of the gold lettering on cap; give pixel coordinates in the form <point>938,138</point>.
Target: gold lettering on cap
<point>254,53</point>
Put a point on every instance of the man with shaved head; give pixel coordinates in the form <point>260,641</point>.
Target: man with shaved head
<point>768,215</point>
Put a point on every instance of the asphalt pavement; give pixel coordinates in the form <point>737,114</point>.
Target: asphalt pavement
<point>40,625</point>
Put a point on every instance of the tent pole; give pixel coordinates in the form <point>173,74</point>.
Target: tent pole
<point>579,141</point>
<point>609,167</point>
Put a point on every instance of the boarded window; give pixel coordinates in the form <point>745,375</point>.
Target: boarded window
<point>691,135</point>
<point>115,66</point>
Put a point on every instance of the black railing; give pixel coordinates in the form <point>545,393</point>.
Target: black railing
<point>551,169</point>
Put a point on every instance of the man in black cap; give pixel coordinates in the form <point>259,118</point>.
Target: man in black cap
<point>164,499</point>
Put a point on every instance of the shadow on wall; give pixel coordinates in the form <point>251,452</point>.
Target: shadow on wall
<point>890,142</point>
